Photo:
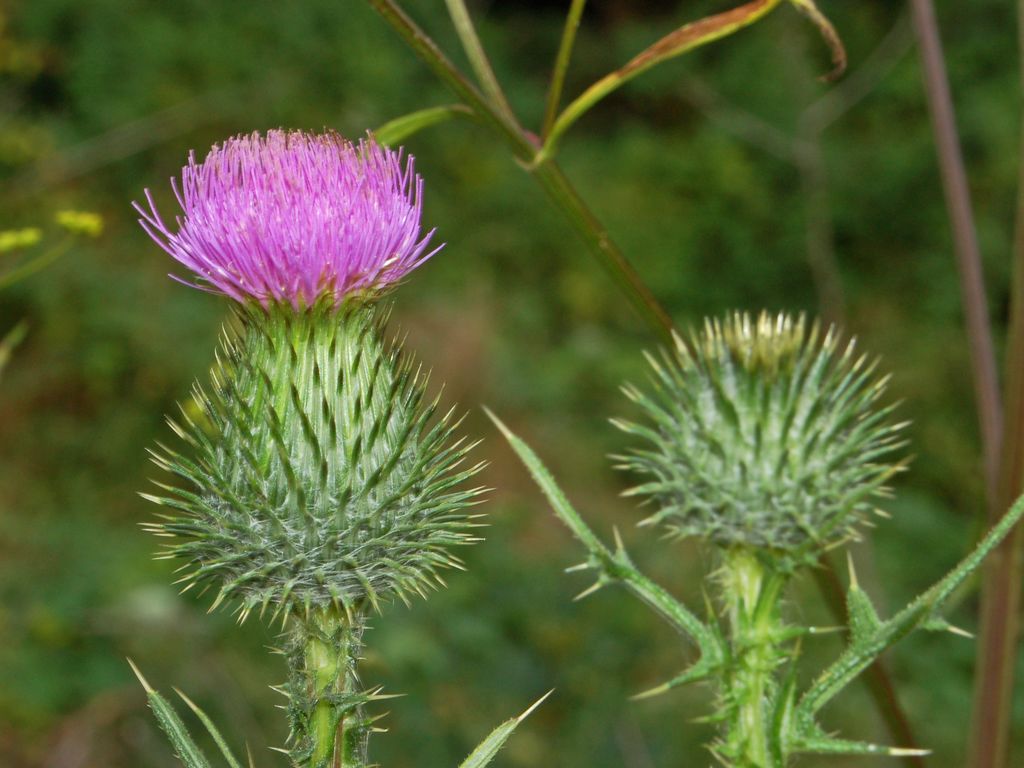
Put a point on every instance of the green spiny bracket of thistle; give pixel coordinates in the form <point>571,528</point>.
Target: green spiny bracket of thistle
<point>768,440</point>
<point>318,480</point>
<point>763,435</point>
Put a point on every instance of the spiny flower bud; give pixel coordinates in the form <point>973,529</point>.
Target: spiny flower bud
<point>763,433</point>
<point>317,475</point>
<point>319,478</point>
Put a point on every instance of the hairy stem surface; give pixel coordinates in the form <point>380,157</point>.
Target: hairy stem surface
<point>328,726</point>
<point>751,594</point>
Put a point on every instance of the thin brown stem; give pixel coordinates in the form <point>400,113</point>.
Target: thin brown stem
<point>965,239</point>
<point>1003,441</point>
<point>1000,595</point>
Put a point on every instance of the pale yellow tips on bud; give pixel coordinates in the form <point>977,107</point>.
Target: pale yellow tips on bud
<point>767,343</point>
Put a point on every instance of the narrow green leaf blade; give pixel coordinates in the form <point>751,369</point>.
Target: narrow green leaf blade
<point>676,43</point>
<point>554,494</point>
<point>490,746</point>
<point>614,566</point>
<point>477,57</point>
<point>394,131</point>
<point>171,724</point>
<point>218,739</point>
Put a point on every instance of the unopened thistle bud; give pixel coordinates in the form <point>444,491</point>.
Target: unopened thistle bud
<point>763,433</point>
<point>317,477</point>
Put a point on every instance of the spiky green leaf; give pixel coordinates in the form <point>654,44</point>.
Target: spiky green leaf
<point>184,747</point>
<point>489,747</point>
<point>866,646</point>
<point>212,729</point>
<point>615,566</point>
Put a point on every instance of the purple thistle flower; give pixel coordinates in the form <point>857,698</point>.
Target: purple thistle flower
<point>294,217</point>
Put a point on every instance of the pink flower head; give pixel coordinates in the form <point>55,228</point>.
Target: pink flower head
<point>294,217</point>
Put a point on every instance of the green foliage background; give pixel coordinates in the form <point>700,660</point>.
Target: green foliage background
<point>106,97</point>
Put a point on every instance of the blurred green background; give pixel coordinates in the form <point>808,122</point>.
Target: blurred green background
<point>723,176</point>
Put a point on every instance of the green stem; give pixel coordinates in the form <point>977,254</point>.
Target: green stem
<point>751,594</point>
<point>424,47</point>
<point>877,677</point>
<point>681,41</point>
<point>329,728</point>
<point>562,193</point>
<point>548,174</point>
<point>572,24</point>
<point>477,57</point>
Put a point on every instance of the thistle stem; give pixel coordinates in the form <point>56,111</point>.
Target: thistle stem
<point>751,595</point>
<point>329,729</point>
<point>572,25</point>
<point>477,57</point>
<point>674,44</point>
<point>548,175</point>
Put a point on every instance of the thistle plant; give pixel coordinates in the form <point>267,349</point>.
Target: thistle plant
<point>485,103</point>
<point>318,480</point>
<point>769,440</point>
